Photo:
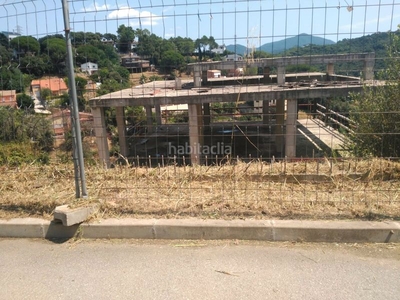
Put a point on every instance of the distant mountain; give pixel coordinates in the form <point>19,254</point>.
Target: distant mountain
<point>296,41</point>
<point>277,47</point>
<point>238,49</point>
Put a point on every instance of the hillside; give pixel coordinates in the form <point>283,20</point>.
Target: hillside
<point>280,46</point>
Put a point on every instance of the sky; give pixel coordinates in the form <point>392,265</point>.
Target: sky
<point>250,23</point>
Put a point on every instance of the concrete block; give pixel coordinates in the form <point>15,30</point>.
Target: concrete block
<point>71,216</point>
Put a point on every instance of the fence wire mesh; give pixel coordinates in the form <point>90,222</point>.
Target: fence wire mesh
<point>204,108</point>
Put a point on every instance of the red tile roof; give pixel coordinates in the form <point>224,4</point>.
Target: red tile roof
<point>56,85</point>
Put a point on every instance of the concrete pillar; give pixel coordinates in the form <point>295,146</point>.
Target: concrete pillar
<point>265,113</point>
<point>158,114</point>
<point>204,77</point>
<point>178,83</point>
<point>206,114</point>
<point>267,78</point>
<point>291,128</point>
<point>101,135</point>
<point>123,146</point>
<point>369,63</point>
<point>197,77</point>
<point>149,119</point>
<point>280,122</point>
<point>330,70</point>
<point>195,132</point>
<point>281,75</point>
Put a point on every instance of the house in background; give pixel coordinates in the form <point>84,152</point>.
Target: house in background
<point>57,86</point>
<point>8,98</point>
<point>134,63</point>
<point>89,68</point>
<point>219,50</point>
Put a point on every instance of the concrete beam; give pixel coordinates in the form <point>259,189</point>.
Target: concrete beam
<point>101,135</point>
<point>291,128</point>
<point>280,61</point>
<point>195,132</point>
<point>224,95</point>
<point>123,146</point>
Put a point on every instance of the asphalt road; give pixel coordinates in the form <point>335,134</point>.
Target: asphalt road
<point>114,269</point>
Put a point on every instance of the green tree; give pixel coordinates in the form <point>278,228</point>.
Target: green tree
<point>13,79</point>
<point>376,112</point>
<point>205,44</point>
<point>55,50</point>
<point>24,101</point>
<point>89,53</point>
<point>45,94</point>
<point>5,55</point>
<point>25,44</point>
<point>3,40</point>
<point>261,54</point>
<point>34,65</point>
<point>126,35</point>
<point>185,46</point>
<point>172,60</point>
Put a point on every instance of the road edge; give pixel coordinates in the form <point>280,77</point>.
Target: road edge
<point>197,229</point>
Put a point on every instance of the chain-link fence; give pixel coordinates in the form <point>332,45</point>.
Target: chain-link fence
<point>203,108</point>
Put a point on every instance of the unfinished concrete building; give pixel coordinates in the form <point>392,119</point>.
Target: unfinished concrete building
<point>282,89</point>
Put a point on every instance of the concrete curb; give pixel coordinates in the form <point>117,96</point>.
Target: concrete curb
<point>266,230</point>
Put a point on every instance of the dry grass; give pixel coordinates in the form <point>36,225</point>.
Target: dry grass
<point>304,190</point>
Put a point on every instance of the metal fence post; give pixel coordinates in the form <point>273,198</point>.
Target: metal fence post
<point>76,127</point>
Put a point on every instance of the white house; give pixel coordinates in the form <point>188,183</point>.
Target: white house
<point>89,68</point>
<point>219,50</point>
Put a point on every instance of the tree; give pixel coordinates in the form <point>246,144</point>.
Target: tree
<point>55,49</point>
<point>3,40</point>
<point>88,53</point>
<point>13,79</point>
<point>376,112</point>
<point>25,44</point>
<point>5,55</point>
<point>261,54</point>
<point>205,44</point>
<point>24,101</point>
<point>45,94</point>
<point>172,60</point>
<point>34,65</point>
<point>126,35</point>
<point>185,46</point>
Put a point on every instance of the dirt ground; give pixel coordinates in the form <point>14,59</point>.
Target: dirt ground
<point>319,189</point>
